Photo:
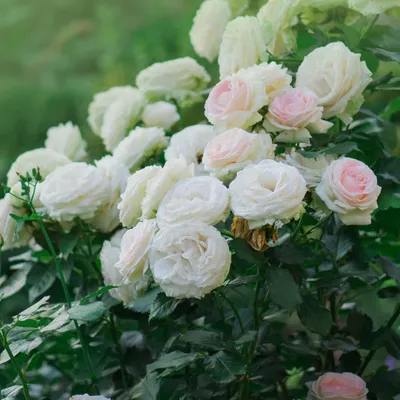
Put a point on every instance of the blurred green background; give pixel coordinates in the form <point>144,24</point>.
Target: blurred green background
<point>54,55</point>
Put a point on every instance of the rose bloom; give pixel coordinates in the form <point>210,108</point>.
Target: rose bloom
<point>189,260</point>
<point>199,199</point>
<point>235,102</point>
<point>338,77</point>
<point>109,256</point>
<point>242,45</point>
<point>335,386</point>
<point>135,245</point>
<point>189,144</point>
<point>74,190</point>
<point>349,187</point>
<point>231,151</point>
<point>267,193</point>
<point>208,27</point>
<point>160,114</point>
<point>66,139</point>
<point>46,160</point>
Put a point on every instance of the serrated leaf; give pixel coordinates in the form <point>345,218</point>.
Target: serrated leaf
<point>203,338</point>
<point>102,290</point>
<point>26,314</point>
<point>68,242</point>
<point>283,289</point>
<point>88,312</point>
<point>143,303</point>
<point>313,316</point>
<point>20,346</point>
<point>244,252</point>
<point>147,388</point>
<point>10,392</point>
<point>176,359</point>
<point>44,283</point>
<point>16,282</point>
<point>249,336</point>
<point>162,307</point>
<point>224,367</point>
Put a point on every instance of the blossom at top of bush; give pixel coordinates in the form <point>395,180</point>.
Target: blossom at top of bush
<point>181,79</point>
<point>135,245</point>
<point>198,199</point>
<point>277,19</point>
<point>241,47</point>
<point>208,27</point>
<point>113,112</point>
<point>8,233</point>
<point>189,260</point>
<point>233,150</point>
<point>46,160</point>
<point>335,386</point>
<point>235,102</point>
<point>368,7</point>
<point>115,175</point>
<point>268,192</point>
<point>189,144</point>
<point>312,169</point>
<point>74,190</point>
<point>338,77</point>
<point>349,187</point>
<point>160,114</point>
<point>139,145</point>
<point>87,397</point>
<point>109,256</point>
<point>146,189</point>
<point>293,113</point>
<point>66,139</point>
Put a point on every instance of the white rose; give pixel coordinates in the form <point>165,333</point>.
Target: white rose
<point>268,192</point>
<point>189,260</point>
<point>350,188</point>
<point>8,233</point>
<point>277,19</point>
<point>146,189</point>
<point>114,112</point>
<point>133,261</point>
<point>199,199</point>
<point>66,139</point>
<point>312,169</point>
<point>139,145</point>
<point>18,199</point>
<point>161,114</point>
<point>208,27</point>
<point>368,7</point>
<point>274,77</point>
<point>189,144</point>
<point>181,79</point>
<point>116,175</point>
<point>338,77</point>
<point>87,397</point>
<point>233,150</point>
<point>241,47</point>
<point>45,159</point>
<point>74,190</point>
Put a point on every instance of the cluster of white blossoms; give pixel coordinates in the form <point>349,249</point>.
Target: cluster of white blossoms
<point>161,216</point>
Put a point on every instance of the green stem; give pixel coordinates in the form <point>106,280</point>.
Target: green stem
<point>371,354</point>
<point>234,311</point>
<point>69,302</point>
<point>16,367</point>
<point>118,347</point>
<point>319,223</point>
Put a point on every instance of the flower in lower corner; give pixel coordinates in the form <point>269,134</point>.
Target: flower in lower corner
<point>335,386</point>
<point>350,188</point>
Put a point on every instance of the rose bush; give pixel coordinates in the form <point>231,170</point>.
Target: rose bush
<point>253,257</point>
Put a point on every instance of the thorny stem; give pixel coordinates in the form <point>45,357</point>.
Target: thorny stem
<point>16,367</point>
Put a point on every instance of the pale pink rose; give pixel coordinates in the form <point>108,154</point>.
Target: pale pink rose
<point>334,386</point>
<point>296,109</point>
<point>235,102</point>
<point>231,151</point>
<point>350,188</point>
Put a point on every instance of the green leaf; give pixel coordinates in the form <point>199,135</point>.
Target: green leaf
<point>68,242</point>
<point>342,344</point>
<point>10,392</point>
<point>20,346</point>
<point>162,307</point>
<point>391,269</point>
<point>249,336</point>
<point>89,312</point>
<point>389,198</point>
<point>16,282</point>
<point>341,148</point>
<point>143,303</point>
<point>26,314</point>
<point>244,252</point>
<point>389,169</point>
<point>283,289</point>
<point>176,359</point>
<point>386,55</point>
<point>44,283</point>
<point>97,293</point>
<point>313,316</point>
<point>147,388</point>
<point>224,366</point>
<point>358,325</point>
<point>203,338</point>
